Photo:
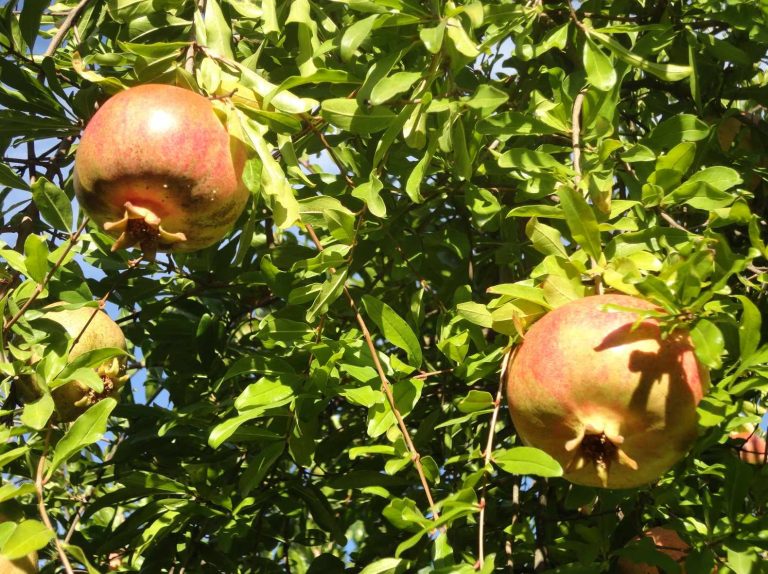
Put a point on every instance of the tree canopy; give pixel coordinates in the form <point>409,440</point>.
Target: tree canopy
<point>321,391</point>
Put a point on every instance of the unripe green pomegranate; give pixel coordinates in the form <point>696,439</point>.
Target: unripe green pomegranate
<point>604,393</point>
<point>156,167</point>
<point>92,329</point>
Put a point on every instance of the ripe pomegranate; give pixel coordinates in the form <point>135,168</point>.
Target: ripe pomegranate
<point>752,447</point>
<point>95,332</point>
<point>604,393</point>
<point>668,542</point>
<point>156,167</point>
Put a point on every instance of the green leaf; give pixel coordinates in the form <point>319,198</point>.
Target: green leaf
<point>432,38</point>
<point>475,313</point>
<point>601,72</point>
<point>581,220</point>
<point>487,98</point>
<point>460,39</point>
<point>678,128</point>
<point>86,430</point>
<point>258,467</point>
<point>719,177</point>
<point>355,35</point>
<point>527,460</point>
<point>347,115</point>
<point>217,33</point>
<point>9,178</point>
<point>37,414</point>
<point>265,393</point>
<point>391,86</point>
<point>667,72</point>
<point>13,454</point>
<point>369,193</point>
<point>53,203</point>
<point>545,239</point>
<point>224,430</point>
<point>330,291</point>
<point>394,328</point>
<point>27,537</point>
<point>89,359</point>
<point>36,258</point>
<point>275,188</point>
<point>531,161</point>
<point>749,327</point>
<point>476,401</point>
<point>416,177</point>
<point>708,343</point>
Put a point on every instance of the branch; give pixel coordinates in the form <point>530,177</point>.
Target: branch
<point>39,484</point>
<point>69,21</point>
<point>578,102</point>
<point>334,157</point>
<point>189,57</point>
<point>40,286</point>
<point>540,552</point>
<point>387,387</point>
<point>508,357</point>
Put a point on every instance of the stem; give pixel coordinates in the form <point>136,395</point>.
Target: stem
<point>39,485</point>
<point>578,102</point>
<point>387,387</point>
<point>69,21</point>
<point>508,358</point>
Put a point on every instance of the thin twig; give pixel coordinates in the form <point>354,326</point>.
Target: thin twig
<point>508,357</point>
<point>578,103</point>
<point>666,217</point>
<point>431,374</point>
<point>576,135</point>
<point>387,387</point>
<point>540,558</point>
<point>39,485</point>
<point>189,56</point>
<point>64,28</point>
<point>332,153</point>
<point>40,286</point>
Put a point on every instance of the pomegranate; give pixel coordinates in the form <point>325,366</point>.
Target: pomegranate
<point>92,331</point>
<point>752,446</point>
<point>666,541</point>
<point>156,167</point>
<point>604,393</point>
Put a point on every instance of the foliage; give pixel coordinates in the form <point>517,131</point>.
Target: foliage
<point>464,168</point>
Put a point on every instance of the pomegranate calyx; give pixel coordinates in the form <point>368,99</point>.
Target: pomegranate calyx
<point>140,225</point>
<point>600,448</point>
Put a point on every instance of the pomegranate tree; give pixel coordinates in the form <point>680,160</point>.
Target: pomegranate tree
<point>605,392</point>
<point>91,329</point>
<point>156,167</point>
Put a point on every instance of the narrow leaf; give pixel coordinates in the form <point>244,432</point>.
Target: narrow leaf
<point>86,430</point>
